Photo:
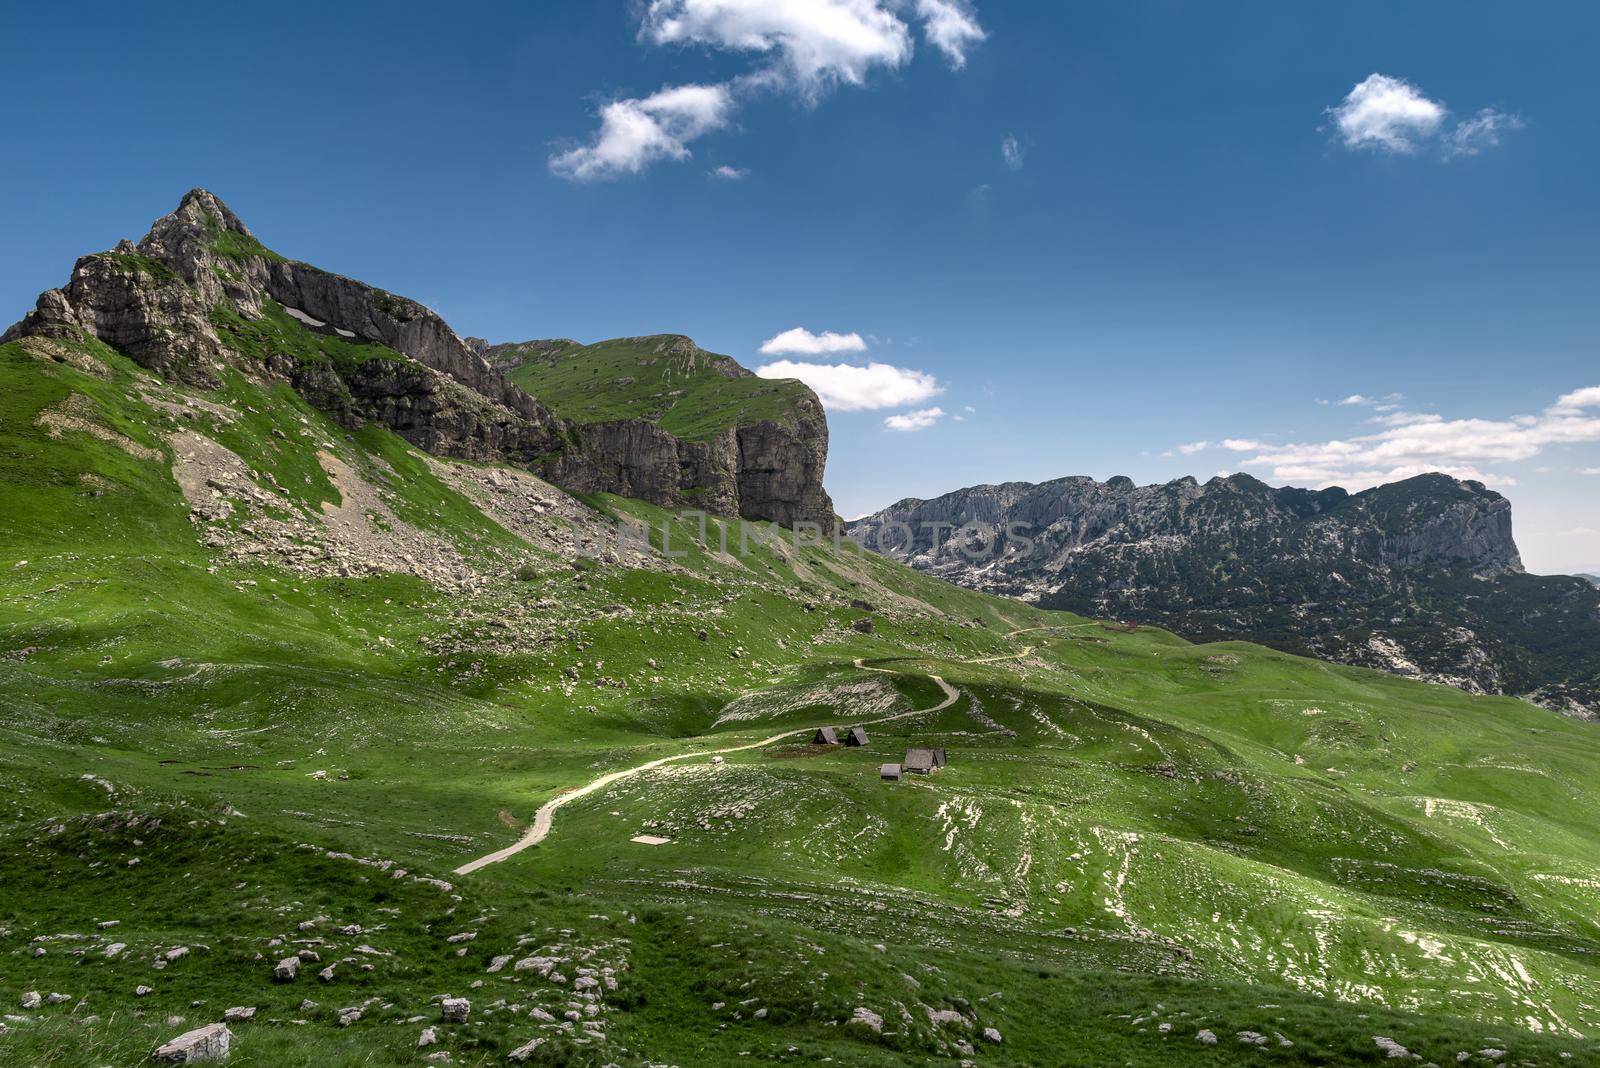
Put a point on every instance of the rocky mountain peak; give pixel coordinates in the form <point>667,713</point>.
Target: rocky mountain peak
<point>200,295</point>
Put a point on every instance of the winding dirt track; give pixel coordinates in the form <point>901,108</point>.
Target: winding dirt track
<point>545,817</point>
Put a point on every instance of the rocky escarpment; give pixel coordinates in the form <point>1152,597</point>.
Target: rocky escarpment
<point>1421,577</point>
<point>659,414</point>
<point>200,294</point>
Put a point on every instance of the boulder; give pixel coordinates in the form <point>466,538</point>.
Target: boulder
<point>208,1043</point>
<point>455,1010</point>
<point>286,969</point>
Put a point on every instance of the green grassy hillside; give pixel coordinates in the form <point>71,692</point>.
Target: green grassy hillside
<point>268,684</point>
<point>666,379</point>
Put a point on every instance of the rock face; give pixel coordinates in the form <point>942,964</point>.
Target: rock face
<point>752,447</point>
<point>190,299</point>
<point>1420,577</point>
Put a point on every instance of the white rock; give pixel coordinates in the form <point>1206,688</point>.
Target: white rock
<point>116,947</point>
<point>32,1000</point>
<point>865,1017</point>
<point>238,1014</point>
<point>326,974</point>
<point>1206,1038</point>
<point>286,969</point>
<point>991,1035</point>
<point>208,1043</point>
<point>522,1053</point>
<point>455,1010</point>
<point>142,991</point>
<point>428,1037</point>
<point>1392,1049</point>
<point>499,962</point>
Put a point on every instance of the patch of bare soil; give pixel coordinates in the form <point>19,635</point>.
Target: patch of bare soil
<point>78,413</point>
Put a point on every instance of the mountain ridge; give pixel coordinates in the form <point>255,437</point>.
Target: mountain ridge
<point>1422,577</point>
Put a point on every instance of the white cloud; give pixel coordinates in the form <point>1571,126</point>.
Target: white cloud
<point>1194,447</point>
<point>1483,130</point>
<point>1410,444</point>
<point>952,27</point>
<point>730,174</point>
<point>1240,445</point>
<point>848,388</point>
<point>802,342</point>
<point>921,419</point>
<point>1385,114</point>
<point>804,47</point>
<point>1011,152</point>
<point>1590,471</point>
<point>1388,115</point>
<point>1579,399</point>
<point>1577,532</point>
<point>636,133</point>
<point>811,46</point>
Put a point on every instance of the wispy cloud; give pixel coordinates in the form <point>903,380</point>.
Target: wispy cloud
<point>803,48</point>
<point>1410,443</point>
<point>850,388</point>
<point>636,133</point>
<point>802,342</point>
<point>1392,116</point>
<point>952,27</point>
<point>1011,152</point>
<point>1479,133</point>
<point>729,174</point>
<point>921,419</point>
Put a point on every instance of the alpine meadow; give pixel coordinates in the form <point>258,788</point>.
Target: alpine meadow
<point>378,694</point>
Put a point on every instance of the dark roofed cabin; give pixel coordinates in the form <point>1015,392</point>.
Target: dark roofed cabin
<point>826,736</point>
<point>856,736</point>
<point>923,761</point>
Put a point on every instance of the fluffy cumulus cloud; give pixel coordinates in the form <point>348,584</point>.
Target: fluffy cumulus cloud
<point>1413,443</point>
<point>850,388</point>
<point>1391,115</point>
<point>920,419</point>
<point>802,342</point>
<point>636,133</point>
<point>806,48</point>
<point>1387,114</point>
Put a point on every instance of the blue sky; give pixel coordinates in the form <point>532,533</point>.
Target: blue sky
<point>1212,227</point>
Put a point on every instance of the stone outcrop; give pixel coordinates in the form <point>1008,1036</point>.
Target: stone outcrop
<point>1420,577</point>
<point>165,303</point>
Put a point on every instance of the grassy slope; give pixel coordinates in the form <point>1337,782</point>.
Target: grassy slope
<point>1133,831</point>
<point>627,379</point>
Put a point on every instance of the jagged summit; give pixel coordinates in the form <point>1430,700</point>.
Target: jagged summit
<point>200,297</point>
<point>1421,576</point>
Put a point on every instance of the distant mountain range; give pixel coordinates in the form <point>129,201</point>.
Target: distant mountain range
<point>1420,577</point>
